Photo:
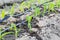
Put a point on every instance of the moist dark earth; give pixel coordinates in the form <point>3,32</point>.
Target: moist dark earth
<point>43,28</point>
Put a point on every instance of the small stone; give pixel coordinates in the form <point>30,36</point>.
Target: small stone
<point>52,15</point>
<point>34,29</point>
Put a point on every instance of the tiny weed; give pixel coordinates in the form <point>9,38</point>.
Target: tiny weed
<point>58,3</point>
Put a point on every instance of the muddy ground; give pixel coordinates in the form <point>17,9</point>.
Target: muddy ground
<point>45,27</point>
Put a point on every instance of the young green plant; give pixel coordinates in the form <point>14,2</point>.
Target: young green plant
<point>45,7</point>
<point>24,5</point>
<point>58,3</point>
<point>0,34</point>
<point>38,1</point>
<point>21,7</point>
<point>37,11</point>
<point>13,27</point>
<point>12,10</point>
<point>4,34</point>
<point>51,6</point>
<point>32,1</point>
<point>29,19</point>
<point>3,14</point>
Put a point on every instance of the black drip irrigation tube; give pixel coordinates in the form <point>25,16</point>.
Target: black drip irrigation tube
<point>6,17</point>
<point>16,15</point>
<point>46,2</point>
<point>23,22</point>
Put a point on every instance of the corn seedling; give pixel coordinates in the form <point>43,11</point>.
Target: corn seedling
<point>3,14</point>
<point>13,27</point>
<point>0,34</point>
<point>24,4</point>
<point>28,4</point>
<point>45,8</point>
<point>58,3</point>
<point>29,18</point>
<point>51,6</point>
<point>37,11</point>
<point>38,1</point>
<point>33,6</point>
<point>12,10</point>
<point>4,34</point>
<point>41,1</point>
<point>21,7</point>
<point>32,1</point>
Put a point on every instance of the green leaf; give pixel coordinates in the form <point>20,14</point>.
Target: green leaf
<point>45,8</point>
<point>12,10</point>
<point>37,11</point>
<point>51,6</point>
<point>58,3</point>
<point>3,14</point>
<point>28,4</point>
<point>21,8</point>
<point>38,1</point>
<point>31,1</point>
<point>15,29</point>
<point>24,5</point>
<point>4,34</point>
<point>42,1</point>
<point>0,33</point>
<point>29,18</point>
<point>29,26</point>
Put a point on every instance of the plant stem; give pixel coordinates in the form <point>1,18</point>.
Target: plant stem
<point>16,33</point>
<point>29,26</point>
<point>0,34</point>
